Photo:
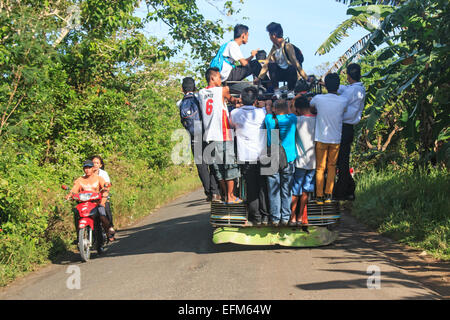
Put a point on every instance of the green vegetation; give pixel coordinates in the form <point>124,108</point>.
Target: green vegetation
<point>402,147</point>
<point>411,206</point>
<point>80,78</point>
<point>406,70</point>
<point>44,228</point>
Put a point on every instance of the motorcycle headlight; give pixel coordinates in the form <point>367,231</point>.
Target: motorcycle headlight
<point>85,196</point>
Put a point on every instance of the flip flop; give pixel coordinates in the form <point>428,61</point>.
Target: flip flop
<point>111,235</point>
<point>236,201</point>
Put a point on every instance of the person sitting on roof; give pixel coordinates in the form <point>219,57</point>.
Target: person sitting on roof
<point>232,53</point>
<point>282,63</point>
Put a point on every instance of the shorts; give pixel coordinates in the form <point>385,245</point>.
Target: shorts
<point>304,181</point>
<point>224,161</point>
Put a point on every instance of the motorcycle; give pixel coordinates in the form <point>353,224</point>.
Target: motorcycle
<point>90,232</point>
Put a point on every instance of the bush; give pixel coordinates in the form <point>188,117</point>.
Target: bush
<point>36,224</point>
<point>410,206</point>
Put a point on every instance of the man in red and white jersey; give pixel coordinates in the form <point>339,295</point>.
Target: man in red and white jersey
<point>218,133</point>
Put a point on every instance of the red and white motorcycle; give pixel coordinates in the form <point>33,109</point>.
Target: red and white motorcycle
<point>90,231</point>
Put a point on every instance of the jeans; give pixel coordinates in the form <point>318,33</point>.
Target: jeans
<point>109,212</point>
<point>280,191</point>
<point>304,181</point>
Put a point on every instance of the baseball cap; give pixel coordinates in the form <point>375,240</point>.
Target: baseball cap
<point>88,163</point>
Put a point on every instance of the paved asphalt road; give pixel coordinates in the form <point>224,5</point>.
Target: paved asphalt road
<point>170,255</point>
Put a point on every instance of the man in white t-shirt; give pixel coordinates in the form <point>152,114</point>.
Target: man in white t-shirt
<point>355,93</point>
<point>330,114</point>
<point>232,54</point>
<point>219,136</point>
<point>305,164</point>
<point>248,121</point>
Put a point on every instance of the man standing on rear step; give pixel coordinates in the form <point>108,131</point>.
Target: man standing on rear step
<point>282,62</point>
<point>218,135</point>
<point>232,53</point>
<point>191,119</point>
<point>355,94</point>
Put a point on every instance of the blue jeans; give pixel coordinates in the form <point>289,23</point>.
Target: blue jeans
<point>304,181</point>
<point>280,191</point>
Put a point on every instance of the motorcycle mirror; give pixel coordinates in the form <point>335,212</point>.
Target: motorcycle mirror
<point>64,187</point>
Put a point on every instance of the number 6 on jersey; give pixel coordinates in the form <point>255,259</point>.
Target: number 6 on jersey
<point>209,106</point>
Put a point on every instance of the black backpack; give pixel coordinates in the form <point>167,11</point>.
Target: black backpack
<point>190,113</point>
<point>298,52</point>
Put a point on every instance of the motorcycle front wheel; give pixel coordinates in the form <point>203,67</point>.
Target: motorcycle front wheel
<point>84,243</point>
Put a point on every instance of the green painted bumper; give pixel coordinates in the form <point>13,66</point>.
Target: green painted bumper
<point>284,236</point>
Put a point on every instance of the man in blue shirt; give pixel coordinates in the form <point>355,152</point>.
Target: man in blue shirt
<point>280,183</point>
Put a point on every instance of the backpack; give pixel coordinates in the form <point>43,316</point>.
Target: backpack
<point>217,61</point>
<point>298,52</point>
<point>190,113</point>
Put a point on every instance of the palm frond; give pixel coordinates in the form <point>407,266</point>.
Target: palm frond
<point>354,3</point>
<point>341,32</point>
<point>368,17</point>
<point>350,54</point>
<point>367,44</point>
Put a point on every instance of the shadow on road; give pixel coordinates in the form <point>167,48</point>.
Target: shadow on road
<point>193,233</point>
<point>183,234</point>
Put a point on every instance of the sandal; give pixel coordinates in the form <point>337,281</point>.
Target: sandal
<point>235,201</point>
<point>111,233</point>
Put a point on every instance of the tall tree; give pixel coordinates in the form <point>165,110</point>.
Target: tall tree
<point>413,36</point>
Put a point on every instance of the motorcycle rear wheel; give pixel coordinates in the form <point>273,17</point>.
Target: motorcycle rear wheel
<point>84,243</point>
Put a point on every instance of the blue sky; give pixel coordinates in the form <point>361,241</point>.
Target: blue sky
<point>307,23</point>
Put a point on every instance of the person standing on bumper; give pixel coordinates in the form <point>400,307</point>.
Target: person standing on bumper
<point>355,93</point>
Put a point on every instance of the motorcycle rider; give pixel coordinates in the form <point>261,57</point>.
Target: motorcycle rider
<point>94,183</point>
<point>99,169</point>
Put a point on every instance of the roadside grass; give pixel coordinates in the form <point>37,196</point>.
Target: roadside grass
<point>411,207</point>
<point>134,195</point>
<point>136,192</point>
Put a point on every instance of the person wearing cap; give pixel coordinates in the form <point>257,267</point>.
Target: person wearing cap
<point>94,183</point>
